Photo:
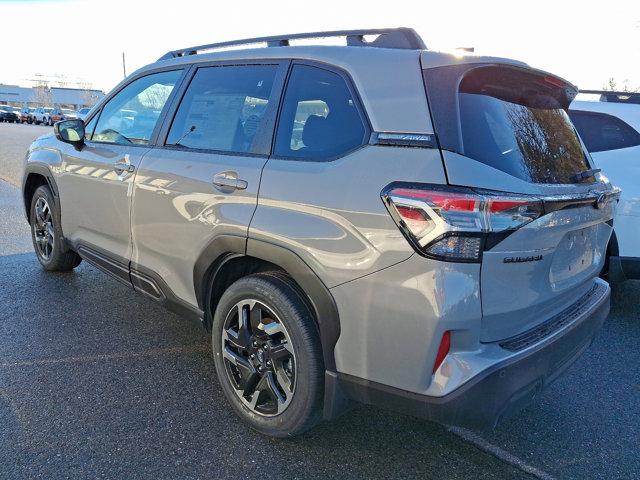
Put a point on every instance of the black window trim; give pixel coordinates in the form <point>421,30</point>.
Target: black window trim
<point>366,140</point>
<point>266,132</point>
<point>124,84</point>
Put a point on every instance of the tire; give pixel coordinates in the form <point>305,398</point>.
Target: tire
<point>290,363</point>
<point>46,233</point>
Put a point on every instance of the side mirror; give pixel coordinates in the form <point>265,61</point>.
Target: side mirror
<point>70,131</point>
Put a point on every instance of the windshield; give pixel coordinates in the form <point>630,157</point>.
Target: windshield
<point>512,119</point>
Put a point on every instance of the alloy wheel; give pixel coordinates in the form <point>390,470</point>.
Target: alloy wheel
<point>259,358</point>
<point>43,232</point>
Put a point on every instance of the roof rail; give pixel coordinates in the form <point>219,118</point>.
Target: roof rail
<point>401,38</point>
<point>609,92</point>
<point>615,97</point>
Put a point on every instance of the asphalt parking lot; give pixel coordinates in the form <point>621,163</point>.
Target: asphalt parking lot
<point>99,382</point>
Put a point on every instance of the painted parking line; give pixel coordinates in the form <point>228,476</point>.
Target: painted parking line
<point>501,454</point>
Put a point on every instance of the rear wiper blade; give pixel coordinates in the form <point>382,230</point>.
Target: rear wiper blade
<point>578,177</point>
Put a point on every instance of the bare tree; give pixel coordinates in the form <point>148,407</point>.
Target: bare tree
<point>88,97</point>
<point>612,86</point>
<point>42,96</point>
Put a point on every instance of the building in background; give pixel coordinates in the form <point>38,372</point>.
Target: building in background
<point>63,97</point>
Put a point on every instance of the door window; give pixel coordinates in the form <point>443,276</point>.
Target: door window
<point>89,127</point>
<point>319,118</point>
<point>601,132</point>
<point>223,109</point>
<point>131,115</point>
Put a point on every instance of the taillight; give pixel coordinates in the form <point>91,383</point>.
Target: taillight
<point>451,223</point>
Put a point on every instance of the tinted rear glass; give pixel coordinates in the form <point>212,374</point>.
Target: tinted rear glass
<point>601,132</point>
<point>511,119</point>
<point>319,119</point>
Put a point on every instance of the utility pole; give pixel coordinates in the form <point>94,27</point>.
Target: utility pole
<point>124,68</point>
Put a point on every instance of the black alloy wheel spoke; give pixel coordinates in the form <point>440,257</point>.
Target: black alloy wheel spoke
<point>272,387</point>
<point>50,236</point>
<point>40,217</point>
<point>243,366</point>
<point>237,340</point>
<point>283,379</point>
<point>251,384</point>
<point>281,352</point>
<point>244,328</point>
<point>256,317</point>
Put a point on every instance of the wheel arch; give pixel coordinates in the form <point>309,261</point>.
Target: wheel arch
<point>35,175</point>
<point>228,258</point>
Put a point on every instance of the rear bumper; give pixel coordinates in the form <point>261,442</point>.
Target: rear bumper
<point>499,391</point>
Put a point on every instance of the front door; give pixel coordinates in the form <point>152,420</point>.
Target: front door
<point>96,182</point>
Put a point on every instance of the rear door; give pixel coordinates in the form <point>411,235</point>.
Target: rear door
<point>505,128</point>
<point>201,181</point>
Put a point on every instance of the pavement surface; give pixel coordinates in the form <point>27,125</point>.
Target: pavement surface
<point>15,138</point>
<point>97,381</point>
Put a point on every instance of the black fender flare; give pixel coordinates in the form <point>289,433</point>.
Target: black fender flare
<point>43,170</point>
<point>226,247</point>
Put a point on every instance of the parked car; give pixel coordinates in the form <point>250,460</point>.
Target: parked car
<point>610,129</point>
<point>429,240</point>
<point>8,114</point>
<point>59,114</point>
<point>82,113</point>
<point>41,115</point>
<point>27,115</point>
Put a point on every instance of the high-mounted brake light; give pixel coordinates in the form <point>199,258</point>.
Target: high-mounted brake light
<point>454,223</point>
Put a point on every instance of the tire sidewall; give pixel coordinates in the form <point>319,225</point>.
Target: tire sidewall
<point>296,319</point>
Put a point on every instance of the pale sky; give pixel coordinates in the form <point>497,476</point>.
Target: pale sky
<point>584,42</point>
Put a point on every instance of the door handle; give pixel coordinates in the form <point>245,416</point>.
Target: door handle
<point>123,167</point>
<point>229,181</point>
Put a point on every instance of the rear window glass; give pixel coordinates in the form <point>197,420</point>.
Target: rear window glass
<point>514,121</point>
<point>601,132</point>
<point>319,119</point>
<point>510,118</point>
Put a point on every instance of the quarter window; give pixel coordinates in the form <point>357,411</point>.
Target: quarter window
<point>319,118</point>
<point>131,115</point>
<point>223,109</point>
<point>601,132</point>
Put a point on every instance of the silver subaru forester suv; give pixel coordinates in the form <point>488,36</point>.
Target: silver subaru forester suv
<point>374,222</point>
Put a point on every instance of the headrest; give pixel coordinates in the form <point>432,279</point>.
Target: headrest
<point>314,131</point>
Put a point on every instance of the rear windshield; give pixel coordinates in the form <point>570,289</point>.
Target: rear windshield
<point>514,120</point>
